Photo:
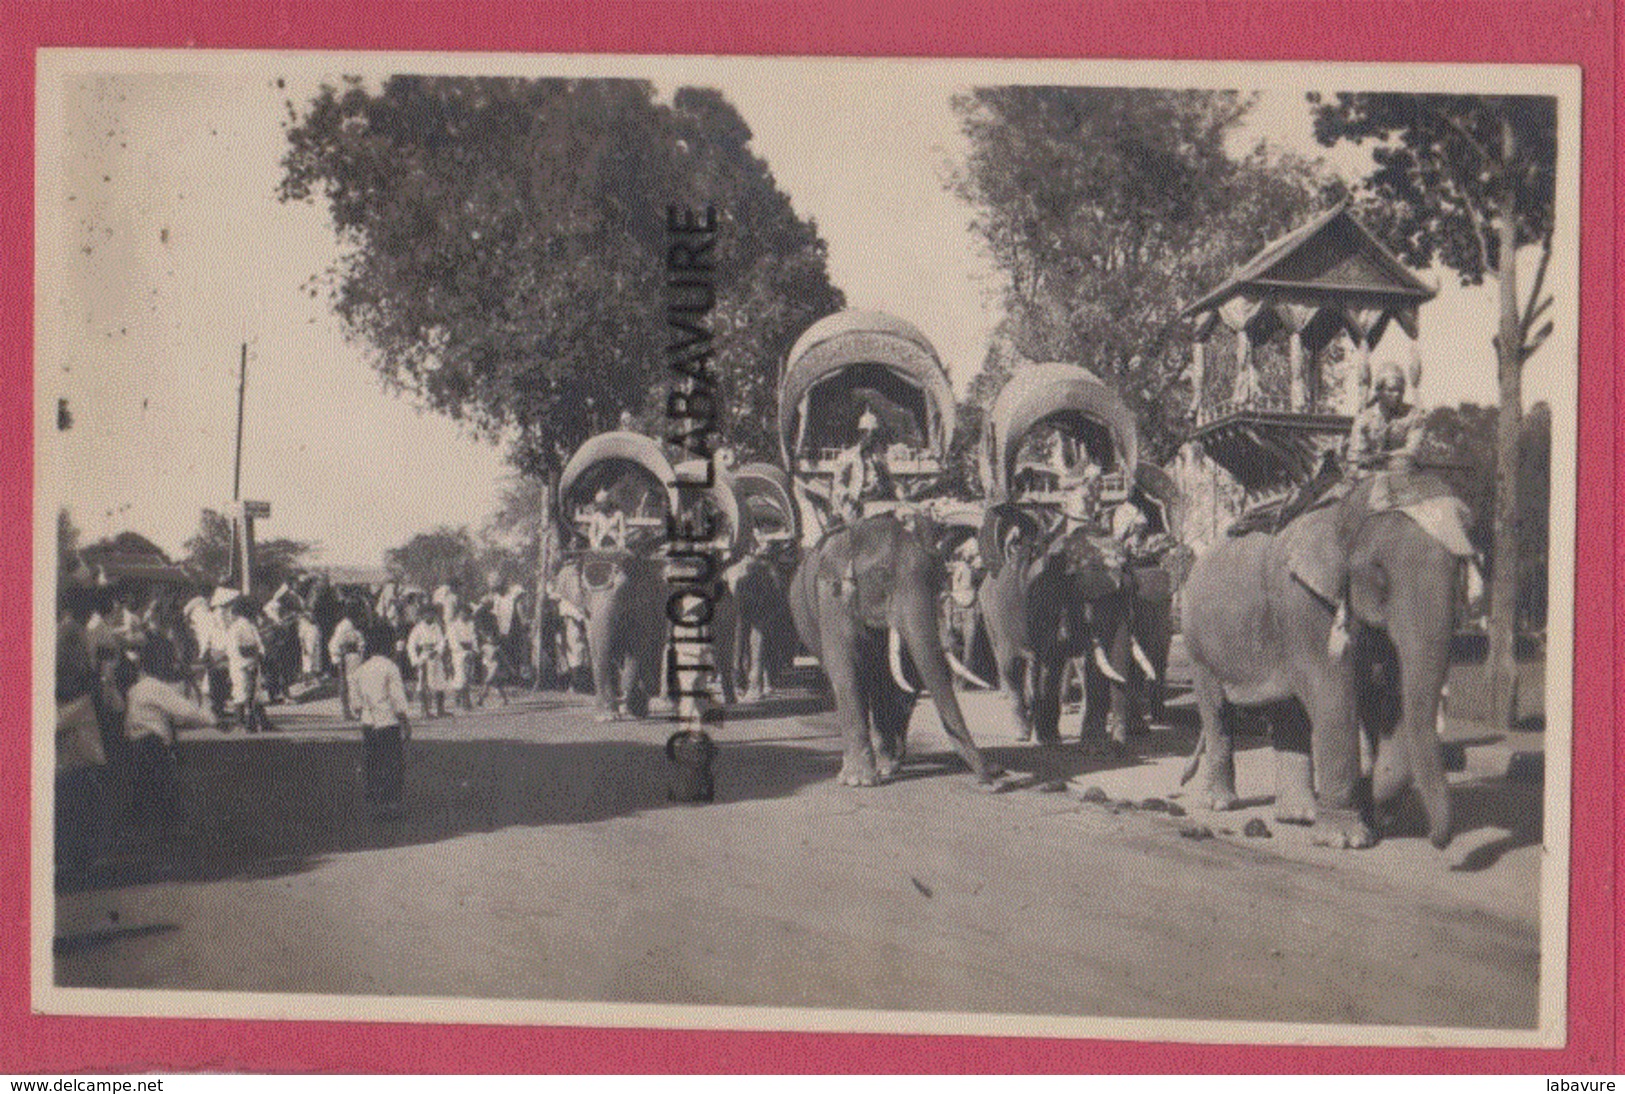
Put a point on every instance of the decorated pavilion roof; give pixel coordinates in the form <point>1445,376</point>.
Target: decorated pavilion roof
<point>1332,256</point>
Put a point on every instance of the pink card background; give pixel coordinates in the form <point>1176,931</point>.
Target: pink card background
<point>1549,32</point>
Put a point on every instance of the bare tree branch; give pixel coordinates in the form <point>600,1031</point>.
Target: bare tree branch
<point>1533,309</point>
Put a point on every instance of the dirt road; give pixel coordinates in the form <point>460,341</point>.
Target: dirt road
<point>540,860</point>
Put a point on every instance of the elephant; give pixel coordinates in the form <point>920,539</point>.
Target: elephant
<point>861,596</point>
<point>1045,606</point>
<point>624,597</point>
<point>1150,628</point>
<point>766,630</point>
<point>1258,613</point>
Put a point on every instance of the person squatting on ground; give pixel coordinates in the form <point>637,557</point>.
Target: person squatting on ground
<point>154,709</point>
<point>385,728</point>
<point>426,651</point>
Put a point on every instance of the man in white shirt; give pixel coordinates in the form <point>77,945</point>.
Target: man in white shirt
<point>346,650</point>
<point>244,652</point>
<point>381,700</point>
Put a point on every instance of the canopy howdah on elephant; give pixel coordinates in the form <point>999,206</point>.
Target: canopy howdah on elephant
<point>634,479</point>
<point>764,496</point>
<point>856,361</point>
<point>630,472</point>
<point>722,498</point>
<point>1072,400</point>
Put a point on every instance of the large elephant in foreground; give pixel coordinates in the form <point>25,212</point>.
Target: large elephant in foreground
<point>1258,620</point>
<point>866,592</point>
<point>862,598</point>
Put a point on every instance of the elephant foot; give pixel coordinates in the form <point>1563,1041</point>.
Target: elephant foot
<point>886,768</point>
<point>989,774</point>
<point>859,773</point>
<point>1294,810</point>
<point>1343,829</point>
<point>1220,799</point>
<point>751,697</point>
<point>996,781</point>
<point>605,716</point>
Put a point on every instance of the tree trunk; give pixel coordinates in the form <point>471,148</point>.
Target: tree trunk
<point>542,623</point>
<point>1503,666</point>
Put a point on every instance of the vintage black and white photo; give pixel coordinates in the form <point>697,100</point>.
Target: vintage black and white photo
<point>1026,548</point>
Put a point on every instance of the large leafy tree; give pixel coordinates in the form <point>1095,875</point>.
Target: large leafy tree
<point>1107,210</point>
<point>506,249</point>
<point>441,556</point>
<point>1469,181</point>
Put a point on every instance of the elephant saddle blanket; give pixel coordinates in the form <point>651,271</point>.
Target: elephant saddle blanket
<point>1427,501</point>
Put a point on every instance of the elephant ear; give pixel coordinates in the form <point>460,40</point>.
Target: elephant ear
<point>1325,552</point>
<point>1317,552</point>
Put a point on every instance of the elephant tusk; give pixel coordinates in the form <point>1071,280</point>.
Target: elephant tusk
<point>1105,667</point>
<point>1141,659</point>
<point>966,674</point>
<point>894,658</point>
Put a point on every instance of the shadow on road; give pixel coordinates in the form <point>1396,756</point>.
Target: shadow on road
<point>1514,807</point>
<point>278,805</point>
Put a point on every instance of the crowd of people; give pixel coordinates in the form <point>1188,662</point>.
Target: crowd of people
<point>137,661</point>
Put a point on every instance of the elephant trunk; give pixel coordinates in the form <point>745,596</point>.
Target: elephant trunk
<point>1423,666</point>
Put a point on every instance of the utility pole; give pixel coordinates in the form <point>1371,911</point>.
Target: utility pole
<point>242,532</point>
<point>237,468</point>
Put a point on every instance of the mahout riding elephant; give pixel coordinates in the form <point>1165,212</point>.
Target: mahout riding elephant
<point>866,592</point>
<point>627,584</point>
<point>1260,617</point>
<point>1059,588</point>
<point>1042,608</point>
<point>862,598</point>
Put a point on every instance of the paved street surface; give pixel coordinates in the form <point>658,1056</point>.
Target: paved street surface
<point>540,859</point>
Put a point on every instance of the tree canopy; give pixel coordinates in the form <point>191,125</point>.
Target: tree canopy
<point>506,249</point>
<point>442,556</point>
<point>1108,209</point>
<point>1447,165</point>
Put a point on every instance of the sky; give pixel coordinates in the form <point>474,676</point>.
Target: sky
<point>163,251</point>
